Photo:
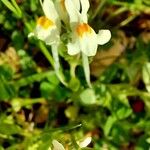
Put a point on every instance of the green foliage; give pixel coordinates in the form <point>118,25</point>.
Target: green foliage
<point>7,89</point>
<point>47,88</point>
<point>13,7</point>
<point>17,39</point>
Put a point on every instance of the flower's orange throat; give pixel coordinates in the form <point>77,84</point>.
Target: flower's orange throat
<point>45,22</point>
<point>82,29</point>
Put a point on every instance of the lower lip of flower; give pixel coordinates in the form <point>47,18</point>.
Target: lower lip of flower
<point>45,22</point>
<point>82,29</point>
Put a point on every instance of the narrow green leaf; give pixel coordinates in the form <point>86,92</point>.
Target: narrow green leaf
<point>9,6</point>
<point>3,92</point>
<point>17,8</point>
<point>109,123</point>
<point>9,129</point>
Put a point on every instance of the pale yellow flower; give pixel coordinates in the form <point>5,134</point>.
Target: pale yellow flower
<point>48,26</point>
<point>84,38</point>
<point>48,29</point>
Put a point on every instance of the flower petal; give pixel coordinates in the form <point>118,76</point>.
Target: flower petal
<point>85,142</point>
<point>73,48</point>
<point>49,10</point>
<point>103,36</point>
<point>53,38</point>
<point>61,9</point>
<point>49,36</point>
<point>88,43</point>
<point>84,7</point>
<point>57,145</point>
<point>77,4</point>
<point>72,11</point>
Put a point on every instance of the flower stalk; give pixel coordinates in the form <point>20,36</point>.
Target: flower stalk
<point>57,68</point>
<point>86,68</point>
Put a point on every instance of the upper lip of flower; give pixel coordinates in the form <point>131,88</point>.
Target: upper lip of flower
<point>73,8</point>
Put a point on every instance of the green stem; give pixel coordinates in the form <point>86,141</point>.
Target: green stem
<point>63,129</point>
<point>98,9</point>
<point>116,13</point>
<point>54,61</point>
<point>57,68</point>
<point>46,53</point>
<point>127,89</point>
<point>32,78</point>
<point>26,102</point>
<point>120,3</point>
<point>128,20</point>
<point>72,69</point>
<point>17,8</point>
<point>86,68</point>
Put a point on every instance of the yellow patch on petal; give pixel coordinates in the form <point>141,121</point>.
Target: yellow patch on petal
<point>45,22</point>
<point>83,28</point>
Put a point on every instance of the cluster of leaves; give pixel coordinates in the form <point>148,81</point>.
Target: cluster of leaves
<point>36,108</point>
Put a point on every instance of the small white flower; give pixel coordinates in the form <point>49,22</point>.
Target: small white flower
<point>85,142</point>
<point>48,26</point>
<point>57,145</point>
<point>84,38</point>
<point>48,30</point>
